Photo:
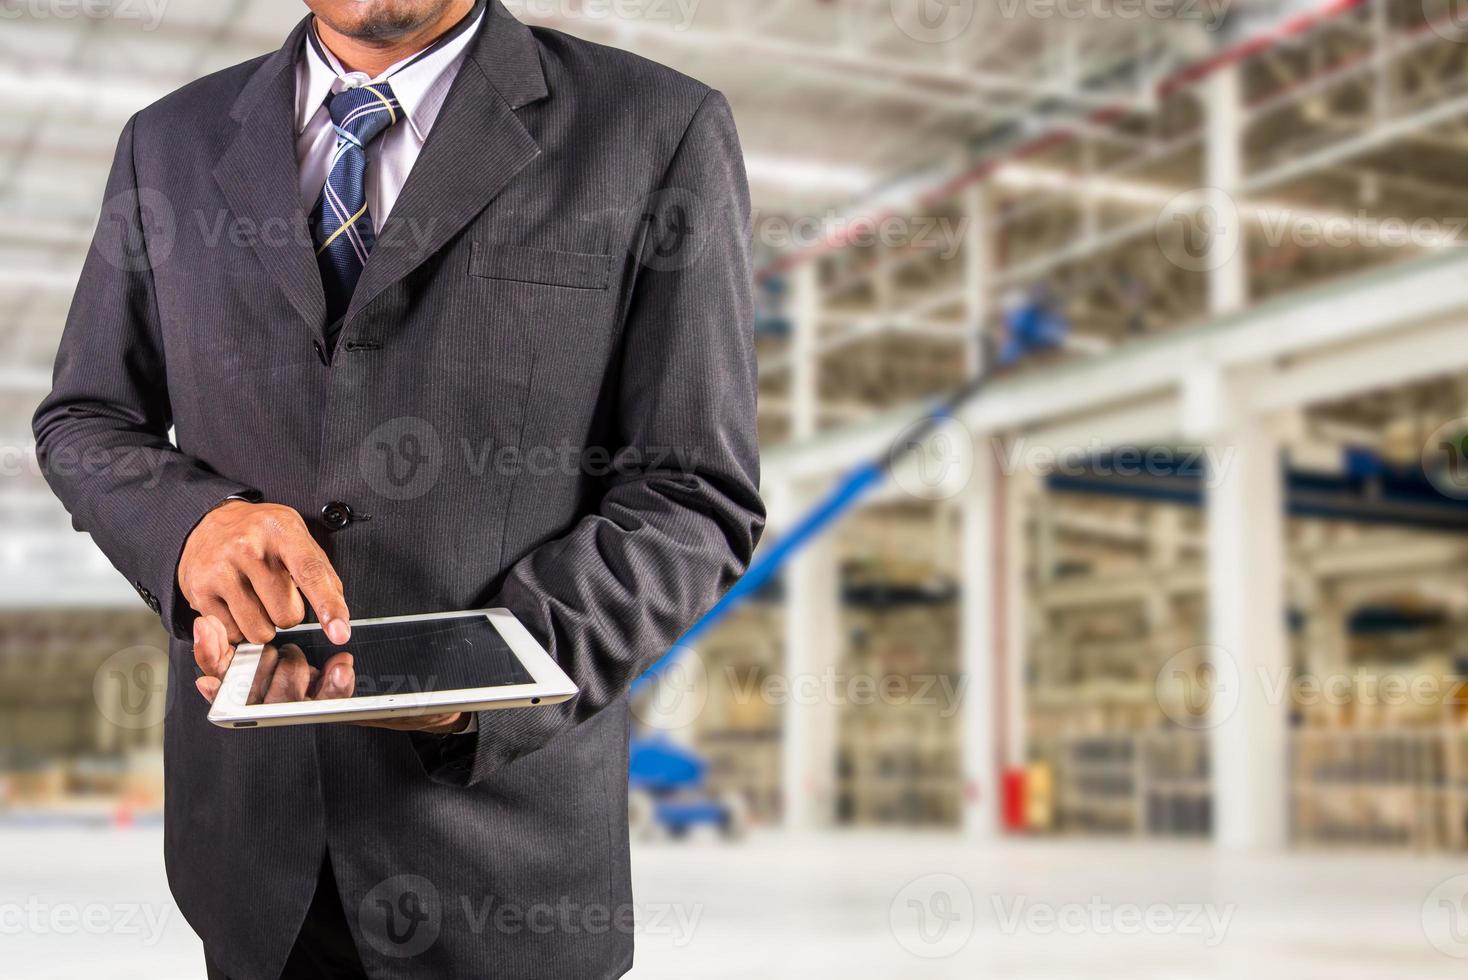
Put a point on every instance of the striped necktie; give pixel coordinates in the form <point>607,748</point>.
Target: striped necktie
<point>342,225</point>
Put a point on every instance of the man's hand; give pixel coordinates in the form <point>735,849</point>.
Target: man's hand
<point>248,566</point>
<point>284,675</point>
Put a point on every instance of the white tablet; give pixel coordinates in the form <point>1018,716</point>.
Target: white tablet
<point>402,666</point>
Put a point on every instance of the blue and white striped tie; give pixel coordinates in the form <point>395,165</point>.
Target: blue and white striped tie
<point>343,227</point>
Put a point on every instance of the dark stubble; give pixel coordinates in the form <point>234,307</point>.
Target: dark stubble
<point>388,22</point>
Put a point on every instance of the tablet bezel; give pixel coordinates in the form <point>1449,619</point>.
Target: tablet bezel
<point>550,684</point>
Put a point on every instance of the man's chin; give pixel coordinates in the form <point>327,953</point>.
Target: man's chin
<point>382,22</point>
<point>380,29</point>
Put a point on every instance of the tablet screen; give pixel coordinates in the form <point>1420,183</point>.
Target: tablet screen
<point>393,658</point>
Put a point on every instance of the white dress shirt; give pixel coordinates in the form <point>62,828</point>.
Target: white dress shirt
<point>420,88</point>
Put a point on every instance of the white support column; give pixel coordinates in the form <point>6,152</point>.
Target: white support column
<point>1245,533</point>
<point>805,358</point>
<point>981,600</point>
<point>978,271</point>
<point>1246,612</point>
<point>979,603</point>
<point>1016,487</point>
<point>1228,261</point>
<point>812,648</point>
<point>1090,201</point>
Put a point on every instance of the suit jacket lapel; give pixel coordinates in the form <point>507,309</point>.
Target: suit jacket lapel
<point>259,176</point>
<point>477,145</point>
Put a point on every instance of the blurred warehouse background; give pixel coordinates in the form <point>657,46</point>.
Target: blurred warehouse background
<point>1153,662</point>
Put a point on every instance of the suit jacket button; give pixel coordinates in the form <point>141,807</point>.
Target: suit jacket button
<point>336,515</point>
<point>148,597</point>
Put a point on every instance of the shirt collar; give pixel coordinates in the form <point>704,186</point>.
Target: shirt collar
<point>420,84</point>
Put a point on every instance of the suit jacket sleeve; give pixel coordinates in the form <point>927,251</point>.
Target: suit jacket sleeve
<point>613,594</point>
<point>102,433</point>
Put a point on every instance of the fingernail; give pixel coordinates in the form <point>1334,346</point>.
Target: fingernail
<point>338,631</point>
<point>197,625</point>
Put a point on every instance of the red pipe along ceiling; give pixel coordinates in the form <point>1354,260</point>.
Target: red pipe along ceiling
<point>1181,79</point>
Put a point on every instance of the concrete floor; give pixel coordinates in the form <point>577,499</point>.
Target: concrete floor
<point>889,906</point>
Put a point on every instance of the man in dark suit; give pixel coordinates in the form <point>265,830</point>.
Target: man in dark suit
<point>444,313</point>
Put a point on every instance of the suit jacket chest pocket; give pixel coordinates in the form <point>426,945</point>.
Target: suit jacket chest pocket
<point>542,300</point>
<point>552,312</point>
<point>541,267</point>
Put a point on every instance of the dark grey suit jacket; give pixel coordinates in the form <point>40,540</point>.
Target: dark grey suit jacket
<point>543,398</point>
